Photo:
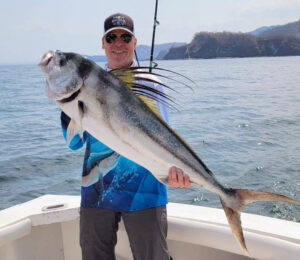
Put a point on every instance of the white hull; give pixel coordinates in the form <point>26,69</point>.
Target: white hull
<point>30,231</point>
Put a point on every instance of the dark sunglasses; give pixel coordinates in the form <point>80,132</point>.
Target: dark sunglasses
<point>111,37</point>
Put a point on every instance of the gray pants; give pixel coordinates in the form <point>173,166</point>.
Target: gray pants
<point>146,229</point>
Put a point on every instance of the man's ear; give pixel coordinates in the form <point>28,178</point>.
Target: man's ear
<point>102,42</point>
<point>135,42</point>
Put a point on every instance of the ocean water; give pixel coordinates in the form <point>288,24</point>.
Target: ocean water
<point>242,119</point>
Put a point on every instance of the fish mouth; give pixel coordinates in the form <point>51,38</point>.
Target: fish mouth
<point>48,56</point>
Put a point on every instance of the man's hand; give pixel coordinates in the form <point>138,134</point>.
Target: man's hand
<point>177,178</point>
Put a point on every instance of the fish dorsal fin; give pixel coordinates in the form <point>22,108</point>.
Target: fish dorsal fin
<point>123,74</point>
<point>151,104</point>
<point>141,88</point>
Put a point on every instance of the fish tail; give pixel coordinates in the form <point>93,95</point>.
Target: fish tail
<point>237,199</point>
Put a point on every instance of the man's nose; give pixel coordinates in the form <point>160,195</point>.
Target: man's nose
<point>119,41</point>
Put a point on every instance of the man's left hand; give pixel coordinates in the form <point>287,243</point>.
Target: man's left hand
<point>177,178</point>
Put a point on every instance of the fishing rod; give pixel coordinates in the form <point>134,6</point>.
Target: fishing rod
<point>155,22</point>
<point>136,57</point>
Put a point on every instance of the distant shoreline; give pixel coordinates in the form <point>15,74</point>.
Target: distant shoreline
<point>35,63</point>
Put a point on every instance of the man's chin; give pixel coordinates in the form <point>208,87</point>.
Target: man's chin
<point>119,56</point>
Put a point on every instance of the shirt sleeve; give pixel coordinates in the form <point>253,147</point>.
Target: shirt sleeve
<point>76,141</point>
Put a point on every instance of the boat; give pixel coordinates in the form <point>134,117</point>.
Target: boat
<point>48,228</point>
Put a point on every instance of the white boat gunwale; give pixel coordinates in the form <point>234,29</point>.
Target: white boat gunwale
<point>191,226</point>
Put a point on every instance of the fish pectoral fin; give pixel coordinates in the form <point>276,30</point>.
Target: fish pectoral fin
<point>72,130</point>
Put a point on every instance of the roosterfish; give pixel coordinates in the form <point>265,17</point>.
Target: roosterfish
<point>118,111</point>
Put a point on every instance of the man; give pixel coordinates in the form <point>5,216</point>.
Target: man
<point>121,187</point>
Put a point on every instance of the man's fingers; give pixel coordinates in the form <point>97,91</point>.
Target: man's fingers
<point>171,170</point>
<point>172,176</point>
<point>177,178</point>
<point>180,178</point>
<point>187,182</point>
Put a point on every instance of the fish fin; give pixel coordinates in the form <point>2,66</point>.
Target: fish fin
<point>234,221</point>
<point>123,75</point>
<point>127,77</point>
<point>138,85</point>
<point>152,96</point>
<point>144,70</point>
<point>151,104</point>
<point>239,198</point>
<point>72,130</point>
<point>250,196</point>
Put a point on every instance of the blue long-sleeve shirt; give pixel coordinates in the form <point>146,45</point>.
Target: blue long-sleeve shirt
<point>111,181</point>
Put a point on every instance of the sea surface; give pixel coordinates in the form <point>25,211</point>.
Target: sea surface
<point>242,118</point>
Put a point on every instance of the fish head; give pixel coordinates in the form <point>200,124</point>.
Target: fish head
<point>62,74</point>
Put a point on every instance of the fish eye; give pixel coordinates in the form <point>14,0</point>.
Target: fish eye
<point>62,62</point>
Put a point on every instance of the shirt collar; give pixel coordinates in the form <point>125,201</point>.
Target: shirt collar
<point>134,64</point>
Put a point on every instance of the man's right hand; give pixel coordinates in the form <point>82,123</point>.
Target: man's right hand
<point>177,178</point>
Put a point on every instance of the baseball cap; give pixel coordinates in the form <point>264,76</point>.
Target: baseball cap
<point>118,21</point>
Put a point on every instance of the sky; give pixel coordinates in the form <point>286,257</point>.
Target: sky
<point>28,28</point>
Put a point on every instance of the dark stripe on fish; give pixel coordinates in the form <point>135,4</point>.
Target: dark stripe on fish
<point>82,108</point>
<point>177,138</point>
<point>65,120</point>
<point>84,68</point>
<point>84,65</point>
<point>70,55</point>
<point>70,98</point>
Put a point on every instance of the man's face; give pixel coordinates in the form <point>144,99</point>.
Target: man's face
<point>119,53</point>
